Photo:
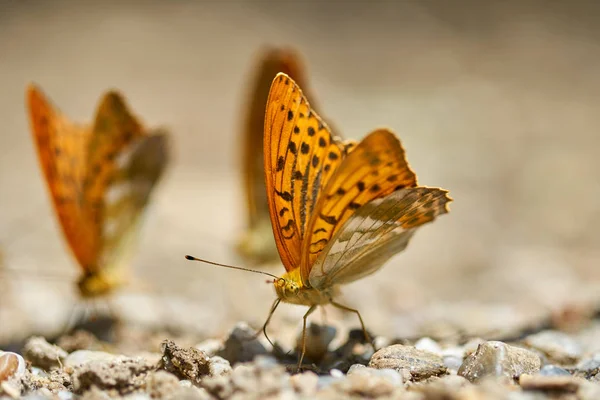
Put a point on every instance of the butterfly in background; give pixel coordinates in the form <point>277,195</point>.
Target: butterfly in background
<point>257,242</point>
<point>100,179</point>
<point>339,210</point>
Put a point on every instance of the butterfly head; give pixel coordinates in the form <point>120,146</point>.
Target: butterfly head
<point>286,288</point>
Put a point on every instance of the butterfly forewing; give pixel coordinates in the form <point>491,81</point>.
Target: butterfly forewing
<point>374,233</point>
<point>374,168</point>
<point>301,155</point>
<point>62,151</point>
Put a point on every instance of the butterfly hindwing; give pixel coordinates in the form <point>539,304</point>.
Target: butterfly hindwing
<point>374,168</point>
<point>141,165</point>
<point>62,151</point>
<point>114,130</point>
<point>301,155</point>
<point>374,233</point>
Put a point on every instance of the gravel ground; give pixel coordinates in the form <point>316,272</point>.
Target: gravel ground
<point>496,102</point>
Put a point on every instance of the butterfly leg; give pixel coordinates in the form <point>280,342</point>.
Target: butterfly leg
<point>310,311</point>
<point>324,315</point>
<point>264,328</point>
<point>355,311</point>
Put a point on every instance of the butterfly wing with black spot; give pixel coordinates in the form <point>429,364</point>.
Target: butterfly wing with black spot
<point>62,152</point>
<point>374,168</point>
<point>377,231</point>
<point>301,155</point>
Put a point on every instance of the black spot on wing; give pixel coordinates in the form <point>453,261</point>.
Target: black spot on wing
<point>287,196</point>
<point>315,161</point>
<point>319,244</point>
<point>304,148</point>
<point>289,225</point>
<point>330,219</point>
<point>293,148</point>
<point>353,205</point>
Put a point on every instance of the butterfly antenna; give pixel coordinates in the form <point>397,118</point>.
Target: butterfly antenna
<point>191,258</point>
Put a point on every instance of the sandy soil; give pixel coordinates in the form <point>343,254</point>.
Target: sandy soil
<point>497,103</point>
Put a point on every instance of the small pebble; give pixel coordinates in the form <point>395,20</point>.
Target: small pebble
<point>557,346</point>
<point>64,395</point>
<point>210,346</point>
<point>12,366</point>
<point>81,357</point>
<point>10,389</point>
<point>429,345</point>
<point>325,381</point>
<point>336,373</point>
<point>318,339</point>
<point>241,345</point>
<point>355,368</point>
<point>305,384</point>
<point>390,375</point>
<point>418,364</point>
<point>161,383</point>
<point>219,366</point>
<point>453,358</point>
<point>589,367</point>
<point>380,342</point>
<point>369,383</point>
<point>43,354</point>
<point>553,370</point>
<point>447,387</point>
<point>553,384</point>
<point>499,359</point>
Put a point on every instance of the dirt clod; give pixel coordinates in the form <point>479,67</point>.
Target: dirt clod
<point>190,363</point>
<point>43,354</point>
<point>121,376</point>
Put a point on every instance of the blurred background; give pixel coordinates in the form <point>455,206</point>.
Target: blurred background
<point>495,101</point>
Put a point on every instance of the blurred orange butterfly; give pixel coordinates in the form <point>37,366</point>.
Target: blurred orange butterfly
<point>100,178</point>
<point>257,242</point>
<point>339,210</point>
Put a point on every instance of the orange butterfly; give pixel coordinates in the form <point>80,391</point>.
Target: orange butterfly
<point>257,242</point>
<point>339,211</point>
<point>100,178</point>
